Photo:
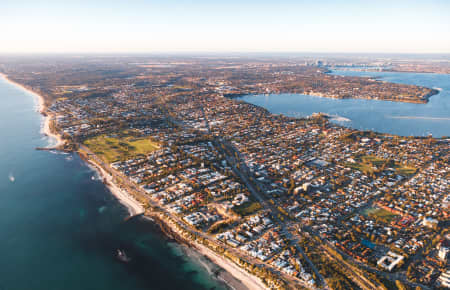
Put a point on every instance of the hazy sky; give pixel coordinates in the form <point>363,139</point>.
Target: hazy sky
<point>229,25</point>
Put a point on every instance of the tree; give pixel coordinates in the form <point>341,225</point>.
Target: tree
<point>400,285</point>
<point>409,272</point>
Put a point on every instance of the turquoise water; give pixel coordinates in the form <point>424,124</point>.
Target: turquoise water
<point>382,116</point>
<point>60,229</point>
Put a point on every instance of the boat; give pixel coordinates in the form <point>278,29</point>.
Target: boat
<point>122,256</point>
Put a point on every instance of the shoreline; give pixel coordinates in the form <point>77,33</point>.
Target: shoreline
<point>218,273</point>
<point>133,206</point>
<point>238,274</point>
<point>423,101</point>
<point>248,280</point>
<point>245,279</point>
<point>238,279</point>
<point>41,108</point>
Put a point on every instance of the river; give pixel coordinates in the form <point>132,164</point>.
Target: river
<point>398,118</point>
<point>60,227</point>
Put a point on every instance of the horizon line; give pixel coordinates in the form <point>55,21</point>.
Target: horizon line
<point>233,52</point>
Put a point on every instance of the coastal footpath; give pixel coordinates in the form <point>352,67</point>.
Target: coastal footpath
<point>129,195</point>
<point>135,207</point>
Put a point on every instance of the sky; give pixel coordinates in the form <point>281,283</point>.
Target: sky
<point>139,26</point>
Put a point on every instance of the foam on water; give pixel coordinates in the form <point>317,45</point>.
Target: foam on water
<point>61,229</point>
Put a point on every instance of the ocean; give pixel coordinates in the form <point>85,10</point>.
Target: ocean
<point>61,227</point>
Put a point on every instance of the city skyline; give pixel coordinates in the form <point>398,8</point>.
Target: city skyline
<point>207,26</point>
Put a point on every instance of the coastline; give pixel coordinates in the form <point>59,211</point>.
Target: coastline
<point>240,278</point>
<point>45,127</point>
<point>213,269</point>
<point>248,280</point>
<point>423,100</point>
<point>231,274</point>
<point>133,206</point>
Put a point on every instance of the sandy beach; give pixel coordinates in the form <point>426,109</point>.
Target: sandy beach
<point>250,281</point>
<point>245,280</point>
<point>212,268</point>
<point>242,279</point>
<point>134,207</point>
<point>57,141</point>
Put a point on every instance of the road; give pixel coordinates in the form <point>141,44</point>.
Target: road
<point>137,190</point>
<point>240,168</point>
<point>234,159</point>
<point>244,172</point>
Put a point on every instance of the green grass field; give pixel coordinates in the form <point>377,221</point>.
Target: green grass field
<point>373,159</point>
<point>405,170</point>
<point>385,215</point>
<point>247,208</point>
<point>366,163</point>
<point>363,167</point>
<point>113,149</point>
<point>370,164</point>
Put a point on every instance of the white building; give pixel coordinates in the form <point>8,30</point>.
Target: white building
<point>389,261</point>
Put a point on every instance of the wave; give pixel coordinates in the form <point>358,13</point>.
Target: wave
<point>337,118</point>
<point>102,209</point>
